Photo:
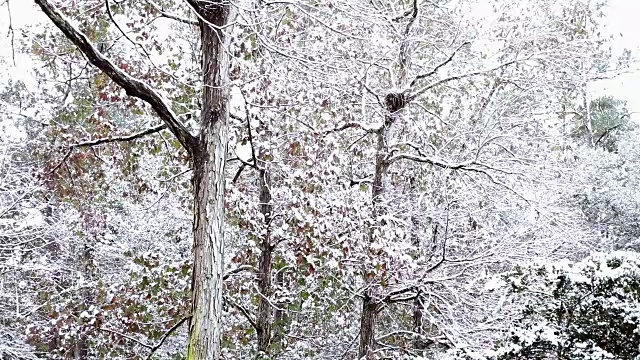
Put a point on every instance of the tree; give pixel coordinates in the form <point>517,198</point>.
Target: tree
<point>208,159</point>
<point>440,117</point>
<point>73,295</point>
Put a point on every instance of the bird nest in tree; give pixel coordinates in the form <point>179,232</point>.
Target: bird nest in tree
<point>395,101</point>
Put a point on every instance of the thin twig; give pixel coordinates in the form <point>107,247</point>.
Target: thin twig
<point>96,142</point>
<point>243,311</point>
<point>167,15</point>
<point>166,335</point>
<point>237,270</point>
<point>439,66</point>
<point>11,33</point>
<point>128,338</point>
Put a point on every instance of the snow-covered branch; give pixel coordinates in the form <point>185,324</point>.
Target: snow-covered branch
<point>413,95</point>
<point>131,85</point>
<point>429,160</point>
<point>439,66</point>
<point>351,125</point>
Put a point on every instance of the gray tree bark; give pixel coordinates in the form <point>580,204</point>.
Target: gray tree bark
<point>209,158</point>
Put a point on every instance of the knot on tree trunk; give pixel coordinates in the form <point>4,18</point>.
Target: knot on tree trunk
<point>395,101</point>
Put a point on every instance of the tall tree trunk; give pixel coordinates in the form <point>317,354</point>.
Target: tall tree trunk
<point>369,305</point>
<point>264,319</point>
<point>367,327</point>
<point>270,322</point>
<point>208,250</point>
<point>394,103</point>
<point>209,160</point>
<point>563,119</point>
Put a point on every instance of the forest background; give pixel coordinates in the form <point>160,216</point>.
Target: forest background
<point>319,179</point>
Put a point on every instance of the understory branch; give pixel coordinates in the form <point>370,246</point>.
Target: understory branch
<point>106,140</point>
